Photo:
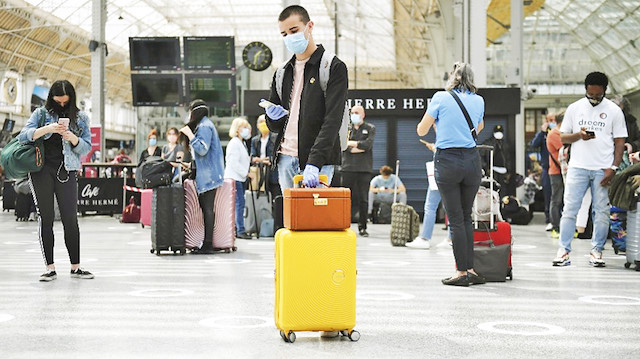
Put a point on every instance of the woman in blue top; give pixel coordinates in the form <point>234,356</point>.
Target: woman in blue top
<point>66,136</point>
<point>458,169</point>
<point>206,151</point>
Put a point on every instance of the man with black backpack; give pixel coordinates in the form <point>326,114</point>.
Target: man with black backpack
<point>307,104</point>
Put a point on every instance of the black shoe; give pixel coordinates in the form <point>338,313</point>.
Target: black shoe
<point>48,276</point>
<point>243,236</point>
<point>363,233</point>
<point>81,273</point>
<point>203,250</point>
<point>476,278</point>
<point>461,281</point>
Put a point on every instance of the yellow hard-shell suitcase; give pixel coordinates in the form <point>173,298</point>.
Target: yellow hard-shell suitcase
<point>315,282</point>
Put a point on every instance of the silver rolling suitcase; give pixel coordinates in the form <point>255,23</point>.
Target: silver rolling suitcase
<point>633,239</point>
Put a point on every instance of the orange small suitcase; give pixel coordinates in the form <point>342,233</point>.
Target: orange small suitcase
<point>317,209</point>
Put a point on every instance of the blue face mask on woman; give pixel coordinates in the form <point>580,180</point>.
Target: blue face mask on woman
<point>153,141</point>
<point>296,43</point>
<point>245,133</point>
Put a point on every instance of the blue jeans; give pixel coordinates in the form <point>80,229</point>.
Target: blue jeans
<point>239,207</point>
<point>578,181</point>
<point>430,211</point>
<point>289,166</point>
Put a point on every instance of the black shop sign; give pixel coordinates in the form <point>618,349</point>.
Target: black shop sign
<point>103,195</point>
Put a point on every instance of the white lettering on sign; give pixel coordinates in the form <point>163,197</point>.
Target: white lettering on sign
<point>379,104</point>
<point>87,191</point>
<point>358,102</point>
<point>420,103</point>
<point>391,104</point>
<point>368,104</point>
<point>407,104</point>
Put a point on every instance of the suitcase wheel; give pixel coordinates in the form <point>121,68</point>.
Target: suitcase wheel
<point>234,249</point>
<point>615,250</point>
<point>151,251</point>
<point>158,252</point>
<point>627,265</point>
<point>510,274</point>
<point>142,224</point>
<point>354,336</point>
<point>288,338</point>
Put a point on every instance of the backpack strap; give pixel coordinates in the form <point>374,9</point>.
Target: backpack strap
<point>325,70</point>
<point>466,115</point>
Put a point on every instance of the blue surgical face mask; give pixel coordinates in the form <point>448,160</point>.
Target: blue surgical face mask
<point>552,125</point>
<point>245,133</point>
<point>296,43</point>
<point>153,141</point>
<point>355,119</point>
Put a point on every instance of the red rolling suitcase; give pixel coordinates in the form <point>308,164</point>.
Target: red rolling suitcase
<point>224,207</point>
<point>492,233</point>
<point>193,218</point>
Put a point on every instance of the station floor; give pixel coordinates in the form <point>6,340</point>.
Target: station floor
<point>221,306</point>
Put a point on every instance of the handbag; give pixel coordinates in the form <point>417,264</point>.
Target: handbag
<point>20,159</point>
<point>153,172</point>
<point>491,261</point>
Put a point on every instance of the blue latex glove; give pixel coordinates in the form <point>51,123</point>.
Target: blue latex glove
<point>310,176</point>
<point>276,112</point>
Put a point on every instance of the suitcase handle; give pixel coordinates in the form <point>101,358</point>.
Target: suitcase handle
<point>297,180</point>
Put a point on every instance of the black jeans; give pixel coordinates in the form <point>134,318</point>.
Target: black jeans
<point>458,172</point>
<point>45,184</point>
<point>206,201</point>
<point>358,183</point>
<point>557,194</point>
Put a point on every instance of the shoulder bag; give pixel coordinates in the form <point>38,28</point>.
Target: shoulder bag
<point>20,159</point>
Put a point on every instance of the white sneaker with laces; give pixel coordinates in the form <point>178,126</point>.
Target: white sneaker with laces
<point>595,258</point>
<point>549,227</point>
<point>562,258</point>
<point>419,243</point>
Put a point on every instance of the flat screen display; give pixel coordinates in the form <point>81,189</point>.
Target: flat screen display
<point>154,53</point>
<point>209,53</point>
<point>157,89</point>
<point>215,90</point>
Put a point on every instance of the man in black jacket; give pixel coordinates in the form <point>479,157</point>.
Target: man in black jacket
<point>261,154</point>
<point>306,118</point>
<point>357,162</point>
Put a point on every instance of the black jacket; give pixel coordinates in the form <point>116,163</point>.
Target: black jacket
<point>255,146</point>
<point>360,162</point>
<point>633,131</point>
<point>501,155</point>
<point>320,118</point>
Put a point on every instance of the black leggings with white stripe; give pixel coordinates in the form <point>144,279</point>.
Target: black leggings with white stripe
<point>46,184</point>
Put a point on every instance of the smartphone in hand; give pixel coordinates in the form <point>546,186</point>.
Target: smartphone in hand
<point>591,134</point>
<point>64,121</point>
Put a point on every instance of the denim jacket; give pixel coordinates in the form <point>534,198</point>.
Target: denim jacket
<point>71,154</point>
<point>207,152</point>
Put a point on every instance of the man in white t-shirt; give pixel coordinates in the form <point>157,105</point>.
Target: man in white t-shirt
<point>596,129</point>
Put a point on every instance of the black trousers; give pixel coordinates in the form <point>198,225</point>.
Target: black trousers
<point>557,195</point>
<point>458,172</point>
<point>45,184</point>
<point>358,183</point>
<point>206,201</point>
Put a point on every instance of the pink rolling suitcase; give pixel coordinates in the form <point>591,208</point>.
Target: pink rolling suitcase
<point>224,229</point>
<point>193,218</point>
<point>146,197</point>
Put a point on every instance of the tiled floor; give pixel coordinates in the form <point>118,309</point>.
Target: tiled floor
<point>221,306</point>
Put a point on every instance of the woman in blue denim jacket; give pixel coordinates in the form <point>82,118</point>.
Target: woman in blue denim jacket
<point>204,145</point>
<point>66,136</point>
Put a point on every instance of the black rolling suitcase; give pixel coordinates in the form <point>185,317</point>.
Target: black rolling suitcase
<point>8,196</point>
<point>278,219</point>
<point>24,202</point>
<point>167,219</point>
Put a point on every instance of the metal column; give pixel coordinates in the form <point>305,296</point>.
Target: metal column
<point>98,23</point>
<point>514,78</point>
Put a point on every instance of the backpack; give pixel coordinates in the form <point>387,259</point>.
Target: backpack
<point>325,72</point>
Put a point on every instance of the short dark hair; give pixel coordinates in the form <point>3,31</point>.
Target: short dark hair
<point>596,78</point>
<point>559,117</point>
<point>294,10</point>
<point>386,170</point>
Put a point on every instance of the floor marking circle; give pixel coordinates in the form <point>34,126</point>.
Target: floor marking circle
<point>5,317</point>
<point>602,299</point>
<point>109,274</point>
<point>160,293</point>
<point>231,321</point>
<point>229,260</point>
<point>386,263</point>
<point>547,329</point>
<point>383,295</point>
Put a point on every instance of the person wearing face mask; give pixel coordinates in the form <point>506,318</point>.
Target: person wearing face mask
<point>540,141</point>
<point>63,147</point>
<point>153,149</point>
<point>502,168</point>
<point>306,118</point>
<point>237,167</point>
<point>357,164</point>
<point>173,151</point>
<point>595,128</point>
<point>262,146</point>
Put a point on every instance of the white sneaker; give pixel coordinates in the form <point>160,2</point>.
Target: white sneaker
<point>419,243</point>
<point>595,258</point>
<point>446,243</point>
<point>561,259</point>
<point>549,227</point>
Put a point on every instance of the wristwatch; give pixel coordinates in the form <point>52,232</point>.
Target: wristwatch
<point>614,167</point>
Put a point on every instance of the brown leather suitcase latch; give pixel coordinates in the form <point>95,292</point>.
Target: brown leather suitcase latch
<point>317,201</point>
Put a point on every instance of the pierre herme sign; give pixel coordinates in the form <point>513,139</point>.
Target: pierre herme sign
<point>103,195</point>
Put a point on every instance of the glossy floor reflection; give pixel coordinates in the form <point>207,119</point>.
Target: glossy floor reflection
<point>221,306</point>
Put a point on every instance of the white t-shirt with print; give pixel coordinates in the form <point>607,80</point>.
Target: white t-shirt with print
<point>606,120</point>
